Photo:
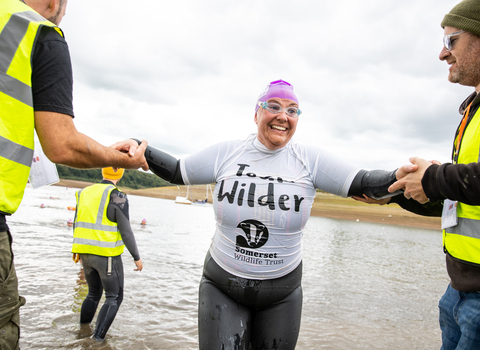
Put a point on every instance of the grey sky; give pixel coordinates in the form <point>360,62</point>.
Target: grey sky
<point>186,74</point>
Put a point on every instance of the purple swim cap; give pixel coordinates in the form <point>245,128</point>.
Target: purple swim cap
<point>277,88</point>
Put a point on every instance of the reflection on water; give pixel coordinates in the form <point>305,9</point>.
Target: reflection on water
<point>366,286</point>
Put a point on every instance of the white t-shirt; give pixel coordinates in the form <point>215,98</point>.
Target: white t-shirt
<point>262,200</point>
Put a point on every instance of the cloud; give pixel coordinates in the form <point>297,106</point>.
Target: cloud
<point>186,74</point>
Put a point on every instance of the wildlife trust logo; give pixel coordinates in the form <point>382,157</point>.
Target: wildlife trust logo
<point>256,234</point>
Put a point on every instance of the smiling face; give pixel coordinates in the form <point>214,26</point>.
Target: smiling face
<point>463,58</point>
<point>276,130</point>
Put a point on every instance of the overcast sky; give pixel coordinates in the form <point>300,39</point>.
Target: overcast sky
<point>186,74</point>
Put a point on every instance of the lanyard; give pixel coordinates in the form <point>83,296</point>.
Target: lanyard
<point>461,130</point>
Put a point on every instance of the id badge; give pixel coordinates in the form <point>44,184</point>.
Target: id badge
<point>449,214</point>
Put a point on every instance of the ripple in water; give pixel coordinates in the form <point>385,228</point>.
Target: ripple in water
<point>366,286</point>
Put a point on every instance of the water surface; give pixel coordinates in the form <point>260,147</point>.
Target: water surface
<point>366,286</point>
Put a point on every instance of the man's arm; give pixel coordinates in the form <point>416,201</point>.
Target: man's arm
<point>436,182</point>
<point>460,182</point>
<point>63,144</point>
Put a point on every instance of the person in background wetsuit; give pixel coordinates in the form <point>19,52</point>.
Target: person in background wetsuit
<point>101,232</point>
<point>250,293</point>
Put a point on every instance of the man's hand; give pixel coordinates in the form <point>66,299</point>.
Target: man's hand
<point>405,170</point>
<point>135,151</point>
<point>411,182</point>
<point>139,265</point>
<point>126,146</point>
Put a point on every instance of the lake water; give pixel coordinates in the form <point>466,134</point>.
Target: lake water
<point>366,286</point>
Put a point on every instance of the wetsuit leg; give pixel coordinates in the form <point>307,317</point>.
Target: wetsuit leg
<point>95,288</point>
<point>222,322</point>
<point>277,326</point>
<point>234,311</point>
<point>113,284</point>
<point>105,318</point>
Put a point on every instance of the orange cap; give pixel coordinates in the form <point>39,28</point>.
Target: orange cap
<point>110,174</point>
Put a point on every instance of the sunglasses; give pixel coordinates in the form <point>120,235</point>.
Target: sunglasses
<point>275,108</point>
<point>447,39</point>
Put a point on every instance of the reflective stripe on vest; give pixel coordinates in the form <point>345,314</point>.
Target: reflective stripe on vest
<point>19,26</point>
<point>94,233</point>
<point>463,240</point>
<point>15,152</point>
<point>10,39</point>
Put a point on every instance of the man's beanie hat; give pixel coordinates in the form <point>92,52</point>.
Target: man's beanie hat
<point>465,16</point>
<point>110,174</point>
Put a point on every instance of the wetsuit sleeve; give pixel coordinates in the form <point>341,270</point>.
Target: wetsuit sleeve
<point>460,182</point>
<point>117,211</point>
<point>163,165</point>
<point>374,184</point>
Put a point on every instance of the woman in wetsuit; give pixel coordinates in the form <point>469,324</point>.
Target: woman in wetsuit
<point>250,292</point>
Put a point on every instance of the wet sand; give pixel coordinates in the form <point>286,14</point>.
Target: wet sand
<point>325,205</point>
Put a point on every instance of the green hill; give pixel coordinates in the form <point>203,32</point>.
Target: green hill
<point>132,178</point>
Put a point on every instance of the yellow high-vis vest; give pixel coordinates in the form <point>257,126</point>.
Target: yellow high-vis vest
<point>463,240</point>
<point>19,26</point>
<point>93,232</point>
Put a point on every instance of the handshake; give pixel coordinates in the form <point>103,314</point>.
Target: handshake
<point>409,179</point>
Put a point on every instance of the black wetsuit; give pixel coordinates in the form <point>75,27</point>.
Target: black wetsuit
<point>260,306</point>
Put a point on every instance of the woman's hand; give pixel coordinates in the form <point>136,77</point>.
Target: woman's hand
<point>368,200</point>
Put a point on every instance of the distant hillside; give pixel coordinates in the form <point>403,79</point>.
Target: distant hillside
<point>132,178</point>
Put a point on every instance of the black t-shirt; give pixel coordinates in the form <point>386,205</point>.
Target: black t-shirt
<point>52,80</point>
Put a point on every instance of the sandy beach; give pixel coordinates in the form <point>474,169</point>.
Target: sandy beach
<point>325,205</point>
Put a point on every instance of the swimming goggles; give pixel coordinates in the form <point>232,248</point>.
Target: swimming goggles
<point>275,108</point>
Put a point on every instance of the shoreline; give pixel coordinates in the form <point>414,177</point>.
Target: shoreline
<point>325,205</point>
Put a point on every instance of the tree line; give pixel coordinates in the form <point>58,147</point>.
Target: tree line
<point>132,178</point>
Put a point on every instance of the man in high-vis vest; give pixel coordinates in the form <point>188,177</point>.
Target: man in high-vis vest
<point>452,190</point>
<point>36,93</point>
<point>101,230</point>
